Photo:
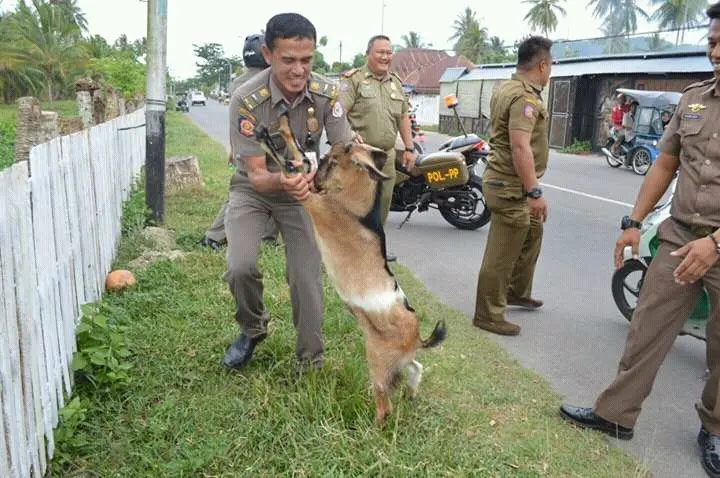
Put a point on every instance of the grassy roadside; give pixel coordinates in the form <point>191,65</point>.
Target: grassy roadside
<point>479,412</point>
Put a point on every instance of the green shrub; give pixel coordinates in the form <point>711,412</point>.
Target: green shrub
<point>7,143</point>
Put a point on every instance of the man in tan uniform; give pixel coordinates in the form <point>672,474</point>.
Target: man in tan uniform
<point>258,190</point>
<point>254,63</point>
<point>518,158</point>
<point>687,260</point>
<point>377,109</point>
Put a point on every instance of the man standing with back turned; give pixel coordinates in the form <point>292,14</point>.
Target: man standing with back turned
<point>518,158</point>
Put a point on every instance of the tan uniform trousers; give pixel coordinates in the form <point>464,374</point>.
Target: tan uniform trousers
<point>216,232</point>
<point>663,307</point>
<point>387,185</point>
<point>245,223</point>
<point>511,253</point>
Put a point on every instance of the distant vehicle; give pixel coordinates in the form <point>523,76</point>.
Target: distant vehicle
<point>198,98</point>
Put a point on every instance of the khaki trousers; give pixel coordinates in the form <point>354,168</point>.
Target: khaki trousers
<point>512,249</point>
<point>216,232</point>
<point>245,222</point>
<point>663,307</point>
<point>387,185</point>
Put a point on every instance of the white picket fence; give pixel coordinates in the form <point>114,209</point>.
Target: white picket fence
<point>60,218</point>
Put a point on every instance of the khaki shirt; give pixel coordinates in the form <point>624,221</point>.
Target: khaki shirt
<point>246,75</point>
<point>517,105</point>
<point>259,100</point>
<point>693,136</point>
<point>374,107</point>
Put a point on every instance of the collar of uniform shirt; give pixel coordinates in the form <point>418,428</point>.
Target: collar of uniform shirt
<point>713,89</point>
<point>369,73</point>
<point>526,80</point>
<point>276,96</point>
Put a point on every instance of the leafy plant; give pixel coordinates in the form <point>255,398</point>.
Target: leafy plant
<point>102,349</point>
<point>578,147</point>
<point>70,436</point>
<point>7,143</point>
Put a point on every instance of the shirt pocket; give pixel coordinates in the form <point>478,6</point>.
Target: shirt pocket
<point>691,139</point>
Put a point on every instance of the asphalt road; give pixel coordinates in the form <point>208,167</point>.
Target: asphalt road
<point>576,339</point>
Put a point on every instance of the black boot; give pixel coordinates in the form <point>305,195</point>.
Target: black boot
<point>586,418</point>
<point>710,449</point>
<point>240,352</point>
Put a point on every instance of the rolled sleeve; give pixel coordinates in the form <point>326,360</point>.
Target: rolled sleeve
<point>337,126</point>
<point>242,127</point>
<point>523,114</point>
<point>670,141</point>
<point>347,94</point>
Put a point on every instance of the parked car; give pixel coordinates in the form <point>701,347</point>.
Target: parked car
<point>198,98</point>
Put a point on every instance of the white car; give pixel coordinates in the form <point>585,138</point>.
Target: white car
<point>198,98</point>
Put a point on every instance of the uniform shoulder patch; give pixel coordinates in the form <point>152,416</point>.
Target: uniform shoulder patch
<point>350,72</point>
<point>699,84</point>
<point>320,85</point>
<point>256,97</point>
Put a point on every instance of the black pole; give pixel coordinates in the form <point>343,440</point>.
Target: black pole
<point>155,163</point>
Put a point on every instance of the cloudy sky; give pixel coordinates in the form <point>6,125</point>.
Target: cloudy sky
<point>351,22</point>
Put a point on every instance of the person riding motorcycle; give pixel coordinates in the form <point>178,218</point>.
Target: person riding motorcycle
<point>626,132</point>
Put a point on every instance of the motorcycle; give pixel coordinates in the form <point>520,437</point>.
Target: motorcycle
<point>445,180</point>
<point>649,243</point>
<point>182,105</point>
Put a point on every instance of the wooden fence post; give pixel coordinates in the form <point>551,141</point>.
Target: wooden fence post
<point>27,128</point>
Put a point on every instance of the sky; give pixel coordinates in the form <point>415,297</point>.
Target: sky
<point>351,22</point>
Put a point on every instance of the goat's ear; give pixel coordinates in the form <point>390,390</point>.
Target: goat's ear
<point>366,160</point>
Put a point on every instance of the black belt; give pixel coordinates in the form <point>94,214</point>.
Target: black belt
<point>698,230</point>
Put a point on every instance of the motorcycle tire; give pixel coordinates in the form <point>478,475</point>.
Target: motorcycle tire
<point>641,162</point>
<point>459,219</point>
<point>619,286</point>
<point>612,161</point>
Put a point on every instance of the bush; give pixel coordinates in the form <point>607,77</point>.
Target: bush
<point>578,147</point>
<point>7,143</point>
<point>122,71</point>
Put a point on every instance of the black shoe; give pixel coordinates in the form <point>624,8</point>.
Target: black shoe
<point>586,418</point>
<point>211,243</point>
<point>390,257</point>
<point>710,449</point>
<point>240,352</point>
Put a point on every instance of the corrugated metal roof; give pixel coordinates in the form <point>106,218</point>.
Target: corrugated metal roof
<point>452,74</point>
<point>608,65</point>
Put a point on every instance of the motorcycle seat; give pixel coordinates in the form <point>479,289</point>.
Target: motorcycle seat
<point>460,141</point>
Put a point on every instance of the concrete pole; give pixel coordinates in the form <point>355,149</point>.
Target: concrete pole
<point>155,109</point>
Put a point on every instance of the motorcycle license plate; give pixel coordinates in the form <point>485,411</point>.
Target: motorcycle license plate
<point>442,175</point>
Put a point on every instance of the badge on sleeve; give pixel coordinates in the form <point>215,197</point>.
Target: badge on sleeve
<point>529,111</point>
<point>344,86</point>
<point>246,126</point>
<point>337,110</point>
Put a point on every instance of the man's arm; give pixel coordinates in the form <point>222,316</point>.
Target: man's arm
<point>406,131</point>
<point>336,124</point>
<point>522,118</point>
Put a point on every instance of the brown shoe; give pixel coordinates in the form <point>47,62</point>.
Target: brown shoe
<point>498,327</point>
<point>527,302</point>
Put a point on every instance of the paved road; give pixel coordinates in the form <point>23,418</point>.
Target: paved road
<point>575,341</point>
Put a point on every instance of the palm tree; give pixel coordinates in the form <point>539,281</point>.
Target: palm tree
<point>463,23</point>
<point>48,39</point>
<point>678,14</point>
<point>544,14</point>
<point>413,40</point>
<point>471,38</point>
<point>619,16</point>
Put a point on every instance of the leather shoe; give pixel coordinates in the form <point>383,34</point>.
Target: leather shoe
<point>527,302</point>
<point>500,327</point>
<point>240,352</point>
<point>390,257</point>
<point>212,244</point>
<point>710,449</point>
<point>586,418</point>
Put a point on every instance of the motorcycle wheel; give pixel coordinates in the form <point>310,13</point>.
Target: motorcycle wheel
<point>464,218</point>
<point>620,285</point>
<point>641,162</point>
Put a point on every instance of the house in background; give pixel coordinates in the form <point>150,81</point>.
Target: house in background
<point>581,92</point>
<point>420,70</point>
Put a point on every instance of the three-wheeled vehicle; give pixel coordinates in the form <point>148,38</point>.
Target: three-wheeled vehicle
<point>641,151</point>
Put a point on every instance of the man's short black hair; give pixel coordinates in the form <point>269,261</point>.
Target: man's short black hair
<point>372,40</point>
<point>713,11</point>
<point>533,50</point>
<point>288,25</point>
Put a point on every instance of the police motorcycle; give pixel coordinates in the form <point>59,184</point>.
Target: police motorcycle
<point>445,180</point>
<point>628,280</point>
<point>640,153</point>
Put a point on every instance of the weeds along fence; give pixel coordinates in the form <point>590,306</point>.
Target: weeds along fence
<point>60,224</point>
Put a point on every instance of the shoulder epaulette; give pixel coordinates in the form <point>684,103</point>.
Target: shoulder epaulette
<point>699,84</point>
<point>322,86</point>
<point>392,73</point>
<point>350,72</point>
<point>256,97</point>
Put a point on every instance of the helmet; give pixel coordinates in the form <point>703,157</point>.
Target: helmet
<point>252,51</point>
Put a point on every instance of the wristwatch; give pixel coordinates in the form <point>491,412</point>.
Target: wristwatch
<point>627,222</point>
<point>534,193</point>
<point>409,150</point>
<point>717,243</point>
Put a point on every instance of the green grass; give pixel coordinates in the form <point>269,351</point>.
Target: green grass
<point>479,413</point>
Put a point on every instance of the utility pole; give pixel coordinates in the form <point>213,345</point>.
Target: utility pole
<point>382,19</point>
<point>341,52</point>
<point>155,109</point>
